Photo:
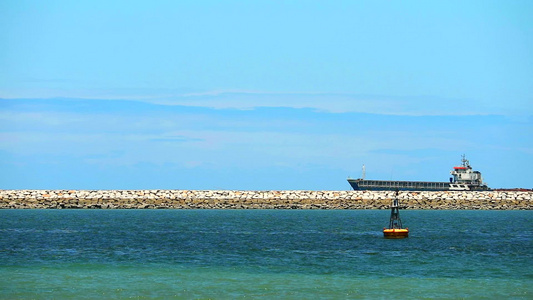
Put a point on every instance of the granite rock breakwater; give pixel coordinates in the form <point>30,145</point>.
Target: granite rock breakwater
<point>232,199</point>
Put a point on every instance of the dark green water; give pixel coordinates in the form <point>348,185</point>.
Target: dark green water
<point>298,254</point>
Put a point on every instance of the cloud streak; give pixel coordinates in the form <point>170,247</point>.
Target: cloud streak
<point>320,101</point>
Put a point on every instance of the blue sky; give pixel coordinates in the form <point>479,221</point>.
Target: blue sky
<point>263,95</point>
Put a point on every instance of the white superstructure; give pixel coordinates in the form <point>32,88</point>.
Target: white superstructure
<point>464,178</point>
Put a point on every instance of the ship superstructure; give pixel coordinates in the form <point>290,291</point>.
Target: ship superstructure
<point>464,178</point>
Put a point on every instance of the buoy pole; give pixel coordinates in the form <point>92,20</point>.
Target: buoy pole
<point>395,221</point>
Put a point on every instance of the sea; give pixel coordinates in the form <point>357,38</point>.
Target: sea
<point>264,254</point>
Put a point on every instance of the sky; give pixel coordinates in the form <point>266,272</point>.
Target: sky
<point>263,95</point>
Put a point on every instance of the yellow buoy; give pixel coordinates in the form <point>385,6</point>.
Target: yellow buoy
<point>395,230</point>
<point>395,233</point>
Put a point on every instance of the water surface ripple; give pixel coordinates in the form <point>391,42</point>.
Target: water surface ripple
<point>263,254</point>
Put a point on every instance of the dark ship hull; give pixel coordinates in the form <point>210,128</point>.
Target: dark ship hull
<point>389,185</point>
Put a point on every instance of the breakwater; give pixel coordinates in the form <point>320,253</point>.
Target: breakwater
<point>229,199</point>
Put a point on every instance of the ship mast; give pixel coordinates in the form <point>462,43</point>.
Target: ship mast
<point>465,162</point>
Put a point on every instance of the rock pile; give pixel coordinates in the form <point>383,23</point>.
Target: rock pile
<point>228,199</point>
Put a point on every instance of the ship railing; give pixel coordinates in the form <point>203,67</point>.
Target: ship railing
<point>405,184</point>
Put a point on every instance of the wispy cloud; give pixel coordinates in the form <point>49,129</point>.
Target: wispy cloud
<point>346,102</point>
<point>175,139</point>
<point>325,101</point>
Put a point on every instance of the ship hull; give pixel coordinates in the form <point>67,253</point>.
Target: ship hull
<point>391,185</point>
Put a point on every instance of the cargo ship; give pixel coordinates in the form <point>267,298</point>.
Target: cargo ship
<point>464,178</point>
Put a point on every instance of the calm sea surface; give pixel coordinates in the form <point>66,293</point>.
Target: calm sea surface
<point>295,254</point>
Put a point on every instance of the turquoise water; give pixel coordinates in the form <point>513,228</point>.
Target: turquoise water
<point>295,254</point>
